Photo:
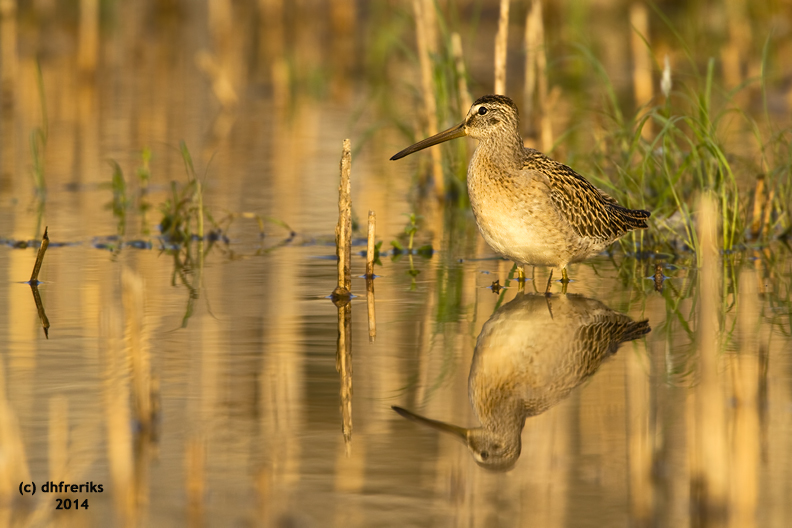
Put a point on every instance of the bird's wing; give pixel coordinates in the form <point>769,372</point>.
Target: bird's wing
<point>591,212</point>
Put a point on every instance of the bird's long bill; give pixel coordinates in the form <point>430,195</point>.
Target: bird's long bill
<point>460,433</point>
<point>452,133</point>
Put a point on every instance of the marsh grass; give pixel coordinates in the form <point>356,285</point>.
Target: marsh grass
<point>120,202</point>
<point>38,147</point>
<point>443,92</point>
<point>144,179</point>
<point>183,212</point>
<point>697,133</point>
<point>694,150</point>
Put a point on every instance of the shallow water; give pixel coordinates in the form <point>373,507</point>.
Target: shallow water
<point>235,355</point>
<point>249,383</point>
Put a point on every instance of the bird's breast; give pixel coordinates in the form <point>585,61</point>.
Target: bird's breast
<point>516,216</point>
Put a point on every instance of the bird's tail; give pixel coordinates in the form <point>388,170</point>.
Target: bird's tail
<point>630,218</point>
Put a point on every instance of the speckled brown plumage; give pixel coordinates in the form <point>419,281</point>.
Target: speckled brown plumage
<point>530,208</point>
<point>529,356</point>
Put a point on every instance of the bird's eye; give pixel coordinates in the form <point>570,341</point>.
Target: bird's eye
<point>484,455</point>
<point>482,110</point>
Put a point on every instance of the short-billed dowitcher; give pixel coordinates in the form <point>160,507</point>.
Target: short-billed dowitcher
<point>527,359</point>
<point>529,208</point>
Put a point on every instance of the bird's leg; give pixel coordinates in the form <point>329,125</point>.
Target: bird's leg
<point>520,273</point>
<point>564,277</point>
<point>549,280</point>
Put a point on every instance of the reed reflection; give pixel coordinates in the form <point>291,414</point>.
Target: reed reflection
<point>529,356</point>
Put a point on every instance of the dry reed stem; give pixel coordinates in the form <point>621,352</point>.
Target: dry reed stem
<point>272,30</point>
<point>532,47</point>
<point>117,419</point>
<point>659,278</point>
<point>45,324</point>
<point>58,447</point>
<point>220,19</point>
<point>740,37</point>
<point>501,45</point>
<point>13,463</point>
<point>465,100</point>
<point>639,434</point>
<point>535,33</point>
<point>344,369</point>
<point>281,80</point>
<point>758,204</point>
<point>425,36</point>
<point>195,483</point>
<point>222,86</point>
<point>88,46</point>
<point>745,441</point>
<point>768,207</point>
<point>642,61</point>
<point>9,58</point>
<point>344,227</point>
<point>372,316</point>
<point>137,347</point>
<point>343,20</point>
<point>711,476</point>
<point>39,257</point>
<point>372,227</point>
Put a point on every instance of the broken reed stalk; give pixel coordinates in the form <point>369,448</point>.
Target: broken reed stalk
<point>45,324</point>
<point>344,369</point>
<point>39,258</point>
<point>372,317</point>
<point>501,40</point>
<point>426,40</point>
<point>709,471</point>
<point>465,101</point>
<point>344,227</point>
<point>659,278</point>
<point>642,61</point>
<point>372,227</point>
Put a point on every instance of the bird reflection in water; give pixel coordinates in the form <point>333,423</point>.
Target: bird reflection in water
<point>529,356</point>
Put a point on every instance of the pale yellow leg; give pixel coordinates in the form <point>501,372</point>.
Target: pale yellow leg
<point>520,273</point>
<point>564,277</point>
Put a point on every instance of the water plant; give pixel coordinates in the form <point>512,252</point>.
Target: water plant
<point>144,178</point>
<point>120,201</point>
<point>38,146</point>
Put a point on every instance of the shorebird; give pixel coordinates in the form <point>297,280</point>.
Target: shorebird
<point>529,208</point>
<point>527,359</point>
